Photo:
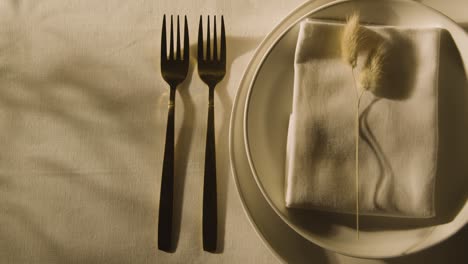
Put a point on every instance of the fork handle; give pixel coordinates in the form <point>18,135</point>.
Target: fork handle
<point>167,182</point>
<point>210,212</point>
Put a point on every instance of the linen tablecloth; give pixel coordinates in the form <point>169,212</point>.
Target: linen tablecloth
<point>83,111</point>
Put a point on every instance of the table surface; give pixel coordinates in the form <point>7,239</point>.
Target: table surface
<point>83,112</point>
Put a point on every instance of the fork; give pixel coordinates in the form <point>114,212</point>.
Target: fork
<point>211,69</point>
<point>174,70</point>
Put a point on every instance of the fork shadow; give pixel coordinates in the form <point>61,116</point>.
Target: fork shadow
<point>236,46</point>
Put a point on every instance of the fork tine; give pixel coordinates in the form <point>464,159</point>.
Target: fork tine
<point>178,40</point>
<point>186,41</point>
<point>163,41</point>
<point>223,42</point>
<point>215,42</point>
<point>171,43</point>
<point>208,46</point>
<point>200,40</point>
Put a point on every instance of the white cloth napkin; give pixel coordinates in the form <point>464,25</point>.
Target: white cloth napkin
<point>398,125</point>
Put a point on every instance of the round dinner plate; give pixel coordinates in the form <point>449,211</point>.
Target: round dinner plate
<point>266,92</point>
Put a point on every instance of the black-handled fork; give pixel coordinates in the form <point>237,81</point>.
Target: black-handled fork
<point>174,71</point>
<point>211,69</point>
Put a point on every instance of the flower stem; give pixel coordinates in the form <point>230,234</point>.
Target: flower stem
<point>358,103</point>
<point>357,169</point>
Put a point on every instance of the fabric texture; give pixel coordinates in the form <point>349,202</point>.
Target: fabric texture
<point>83,114</point>
<point>398,124</point>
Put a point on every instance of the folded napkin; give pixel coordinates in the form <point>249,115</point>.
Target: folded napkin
<point>398,125</point>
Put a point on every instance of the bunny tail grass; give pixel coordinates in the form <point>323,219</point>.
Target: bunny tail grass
<point>371,74</point>
<point>351,39</point>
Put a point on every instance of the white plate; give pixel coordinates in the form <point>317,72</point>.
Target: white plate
<point>267,112</point>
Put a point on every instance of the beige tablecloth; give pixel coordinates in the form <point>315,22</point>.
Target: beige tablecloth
<point>83,112</point>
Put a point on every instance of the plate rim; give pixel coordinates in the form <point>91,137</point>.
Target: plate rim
<point>315,4</point>
<point>413,248</point>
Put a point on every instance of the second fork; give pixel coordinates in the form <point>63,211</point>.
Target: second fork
<point>211,69</point>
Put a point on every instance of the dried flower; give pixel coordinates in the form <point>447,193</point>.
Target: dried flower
<point>371,74</point>
<point>350,44</point>
<point>351,39</point>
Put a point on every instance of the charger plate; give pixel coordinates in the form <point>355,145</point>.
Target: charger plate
<point>269,81</point>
